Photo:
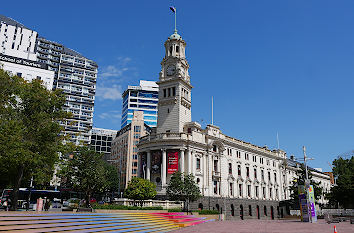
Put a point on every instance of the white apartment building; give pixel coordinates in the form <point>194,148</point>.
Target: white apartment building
<point>16,40</point>
<point>236,177</point>
<point>26,54</point>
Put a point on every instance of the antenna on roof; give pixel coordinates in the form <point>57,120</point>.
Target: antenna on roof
<point>278,140</point>
<point>212,110</point>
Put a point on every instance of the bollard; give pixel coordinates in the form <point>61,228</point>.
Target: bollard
<point>335,229</point>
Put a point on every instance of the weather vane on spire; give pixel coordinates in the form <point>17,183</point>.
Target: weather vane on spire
<point>173,9</point>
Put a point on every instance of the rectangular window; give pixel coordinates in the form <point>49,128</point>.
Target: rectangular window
<point>19,74</point>
<point>256,191</point>
<point>262,174</point>
<point>264,192</point>
<point>275,177</point>
<point>269,176</point>
<point>137,128</point>
<point>164,93</point>
<point>198,163</point>
<point>270,192</point>
<point>215,187</point>
<point>240,189</point>
<point>231,189</point>
<point>174,91</point>
<point>247,172</point>
<point>215,165</point>
<point>255,173</point>
<point>169,92</point>
<point>239,170</point>
<point>249,190</point>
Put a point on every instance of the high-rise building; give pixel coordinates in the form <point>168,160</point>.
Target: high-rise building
<point>17,53</point>
<point>124,153</point>
<point>26,54</point>
<point>16,40</point>
<point>76,76</point>
<point>141,98</point>
<point>101,141</point>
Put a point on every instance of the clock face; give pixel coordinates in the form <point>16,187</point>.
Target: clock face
<point>171,69</point>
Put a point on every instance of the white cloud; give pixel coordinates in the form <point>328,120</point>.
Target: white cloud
<point>116,70</point>
<point>109,93</point>
<point>110,115</point>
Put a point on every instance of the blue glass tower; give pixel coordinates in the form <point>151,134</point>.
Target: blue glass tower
<point>141,98</point>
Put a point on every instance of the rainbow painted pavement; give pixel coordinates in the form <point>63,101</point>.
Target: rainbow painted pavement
<point>95,222</point>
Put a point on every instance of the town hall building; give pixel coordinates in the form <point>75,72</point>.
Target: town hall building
<point>235,177</point>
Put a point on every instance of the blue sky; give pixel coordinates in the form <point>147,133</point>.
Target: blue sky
<point>272,66</point>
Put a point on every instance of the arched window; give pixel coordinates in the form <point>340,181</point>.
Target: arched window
<point>200,206</point>
<point>265,210</point>
<point>170,50</point>
<point>250,210</point>
<point>217,207</point>
<point>232,210</point>
<point>241,212</point>
<point>177,49</point>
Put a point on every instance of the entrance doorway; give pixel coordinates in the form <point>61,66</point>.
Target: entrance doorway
<point>258,216</point>
<point>232,210</point>
<point>241,212</point>
<point>272,212</point>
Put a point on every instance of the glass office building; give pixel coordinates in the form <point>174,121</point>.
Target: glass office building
<point>141,98</point>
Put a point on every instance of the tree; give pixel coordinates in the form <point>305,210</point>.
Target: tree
<point>301,177</point>
<point>84,171</point>
<point>183,188</point>
<point>140,189</point>
<point>343,191</point>
<point>111,178</point>
<point>30,139</point>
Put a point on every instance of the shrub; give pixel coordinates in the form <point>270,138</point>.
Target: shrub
<point>208,212</point>
<point>175,210</point>
<point>123,207</point>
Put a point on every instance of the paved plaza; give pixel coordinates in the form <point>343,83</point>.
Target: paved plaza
<point>267,226</point>
<point>88,222</point>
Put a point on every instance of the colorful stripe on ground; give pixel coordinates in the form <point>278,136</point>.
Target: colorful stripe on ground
<point>117,222</point>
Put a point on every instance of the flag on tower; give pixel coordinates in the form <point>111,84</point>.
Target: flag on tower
<point>173,9</point>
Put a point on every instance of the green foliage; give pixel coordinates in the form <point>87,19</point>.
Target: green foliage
<point>208,212</point>
<point>140,189</point>
<point>123,207</point>
<point>29,132</point>
<point>175,210</point>
<point>183,188</point>
<point>301,177</point>
<point>86,171</point>
<point>112,179</point>
<point>343,192</point>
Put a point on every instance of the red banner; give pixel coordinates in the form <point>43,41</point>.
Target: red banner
<point>172,162</point>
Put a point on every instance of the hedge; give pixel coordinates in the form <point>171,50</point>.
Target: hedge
<point>123,207</point>
<point>208,212</point>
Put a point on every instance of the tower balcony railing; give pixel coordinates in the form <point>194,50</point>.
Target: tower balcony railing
<point>166,136</point>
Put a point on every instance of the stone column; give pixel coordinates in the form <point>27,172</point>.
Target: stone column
<point>192,162</point>
<point>182,161</point>
<point>148,165</point>
<point>189,157</point>
<point>163,168</point>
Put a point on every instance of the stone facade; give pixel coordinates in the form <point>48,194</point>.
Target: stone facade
<point>232,175</point>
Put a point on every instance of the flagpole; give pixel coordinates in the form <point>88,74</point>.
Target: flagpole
<point>175,20</point>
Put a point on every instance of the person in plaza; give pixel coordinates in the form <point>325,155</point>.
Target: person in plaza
<point>46,204</point>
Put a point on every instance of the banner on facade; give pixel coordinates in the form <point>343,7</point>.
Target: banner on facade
<point>156,162</point>
<point>172,162</point>
<point>311,200</point>
<point>303,203</point>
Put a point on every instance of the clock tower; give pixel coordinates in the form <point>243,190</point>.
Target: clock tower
<point>174,109</point>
